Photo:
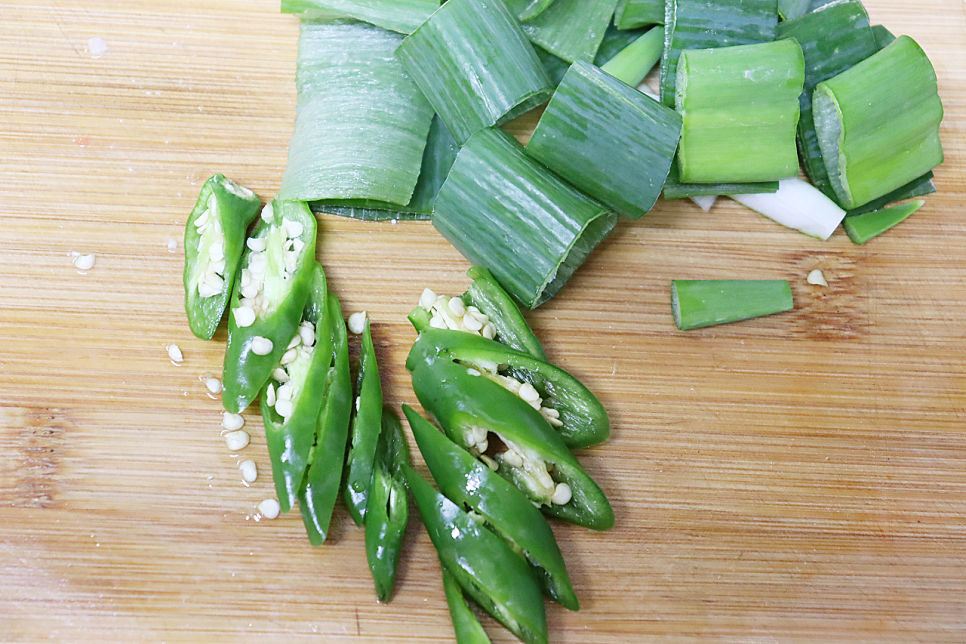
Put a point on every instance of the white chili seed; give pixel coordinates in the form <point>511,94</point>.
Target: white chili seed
<point>285,392</point>
<point>269,508</point>
<point>268,213</point>
<point>511,458</point>
<point>457,307</point>
<point>489,331</point>
<point>817,278</point>
<point>249,471</point>
<point>528,393</point>
<point>172,244</point>
<point>427,299</point>
<point>207,290</point>
<point>244,316</point>
<point>284,408</point>
<point>84,262</point>
<point>261,346</point>
<point>257,244</point>
<point>289,356</point>
<point>292,228</point>
<point>280,374</point>
<point>294,342</point>
<point>231,421</point>
<point>357,322</point>
<point>473,372</point>
<point>174,352</point>
<point>213,385</point>
<point>490,463</point>
<point>472,323</point>
<point>270,395</point>
<point>561,494</point>
<point>237,440</point>
<point>307,333</point>
<point>437,323</point>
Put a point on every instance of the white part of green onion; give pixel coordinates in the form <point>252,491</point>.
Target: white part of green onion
<point>797,205</point>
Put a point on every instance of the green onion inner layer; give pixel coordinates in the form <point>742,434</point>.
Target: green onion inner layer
<point>862,228</point>
<point>700,303</point>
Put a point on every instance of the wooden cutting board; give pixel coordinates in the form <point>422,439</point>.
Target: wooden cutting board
<point>798,478</point>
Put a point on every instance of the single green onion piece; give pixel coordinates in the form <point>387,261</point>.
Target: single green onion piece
<point>791,9</point>
<point>475,66</point>
<point>798,205</point>
<point>699,24</point>
<point>505,211</point>
<point>634,62</point>
<point>402,16</point>
<point>607,139</point>
<point>740,110</point>
<point>878,123</point>
<point>614,41</point>
<point>361,123</point>
<point>832,41</point>
<point>700,303</point>
<point>571,29</point>
<point>675,189</point>
<point>862,228</point>
<point>528,9</point>
<point>883,37</point>
<point>916,188</point>
<point>638,13</point>
<point>438,157</point>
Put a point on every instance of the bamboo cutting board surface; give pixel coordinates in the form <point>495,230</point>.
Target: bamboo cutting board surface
<point>798,478</point>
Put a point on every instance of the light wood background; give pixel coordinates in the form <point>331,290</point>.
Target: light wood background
<point>799,478</point>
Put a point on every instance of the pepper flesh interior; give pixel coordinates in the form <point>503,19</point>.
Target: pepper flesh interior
<point>210,276</point>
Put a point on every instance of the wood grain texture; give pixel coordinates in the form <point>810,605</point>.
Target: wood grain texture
<point>798,478</point>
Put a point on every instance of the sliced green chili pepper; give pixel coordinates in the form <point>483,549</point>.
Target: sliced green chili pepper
<point>484,565</point>
<point>388,509</point>
<point>290,402</point>
<point>267,301</point>
<point>214,237</point>
<point>470,406</point>
<point>467,627</point>
<point>364,432</point>
<point>467,481</point>
<point>582,420</point>
<point>321,484</point>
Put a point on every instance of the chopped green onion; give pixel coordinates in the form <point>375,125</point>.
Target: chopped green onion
<point>878,123</point>
<point>615,40</point>
<point>700,303</point>
<point>862,228</point>
<point>571,29</point>
<point>638,13</point>
<point>883,37</point>
<point>699,24</point>
<point>607,139</point>
<point>740,109</point>
<point>402,16</point>
<point>916,188</point>
<point>634,62</point>
<point>504,211</point>
<point>797,205</point>
<point>675,189</point>
<point>361,123</point>
<point>527,9</point>
<point>475,66</point>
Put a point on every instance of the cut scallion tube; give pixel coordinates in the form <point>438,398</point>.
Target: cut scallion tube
<point>571,29</point>
<point>699,24</point>
<point>633,63</point>
<point>475,66</point>
<point>361,123</point>
<point>607,139</point>
<point>862,228</point>
<point>797,205</point>
<point>740,110</point>
<point>614,42</point>
<point>917,188</point>
<point>505,211</point>
<point>878,123</point>
<point>700,303</point>
<point>638,13</point>
<point>675,189</point>
<point>402,16</point>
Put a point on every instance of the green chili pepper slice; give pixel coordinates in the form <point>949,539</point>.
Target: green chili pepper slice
<point>292,388</point>
<point>214,237</point>
<point>320,487</point>
<point>364,431</point>
<point>486,294</point>
<point>467,481</point>
<point>388,509</point>
<point>267,306</point>
<point>467,627</point>
<point>484,565</point>
<point>470,406</point>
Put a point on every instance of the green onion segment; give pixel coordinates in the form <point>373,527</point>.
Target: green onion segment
<point>675,189</point>
<point>862,228</point>
<point>571,29</point>
<point>797,205</point>
<point>878,123</point>
<point>740,110</point>
<point>402,16</point>
<point>701,303</point>
<point>361,123</point>
<point>635,61</point>
<point>607,139</point>
<point>475,66</point>
<point>504,211</point>
<point>638,13</point>
<point>916,188</point>
<point>527,9</point>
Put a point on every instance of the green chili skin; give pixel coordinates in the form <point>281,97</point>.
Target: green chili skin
<point>467,627</point>
<point>486,294</point>
<point>246,372</point>
<point>461,401</point>
<point>290,441</point>
<point>364,431</point>
<point>236,207</point>
<point>320,487</point>
<point>585,421</point>
<point>467,481</point>
<point>388,510</point>
<point>484,565</point>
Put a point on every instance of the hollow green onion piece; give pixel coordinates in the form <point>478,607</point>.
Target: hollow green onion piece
<point>740,110</point>
<point>883,37</point>
<point>634,62</point>
<point>675,189</point>
<point>797,205</point>
<point>402,16</point>
<point>791,9</point>
<point>361,123</point>
<point>465,623</point>
<point>699,24</point>
<point>832,41</point>
<point>475,66</point>
<point>916,188</point>
<point>607,139</point>
<point>571,29</point>
<point>699,303</point>
<point>438,157</point>
<point>638,13</point>
<point>878,123</point>
<point>614,41</point>
<point>862,228</point>
<point>528,9</point>
<point>504,211</point>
